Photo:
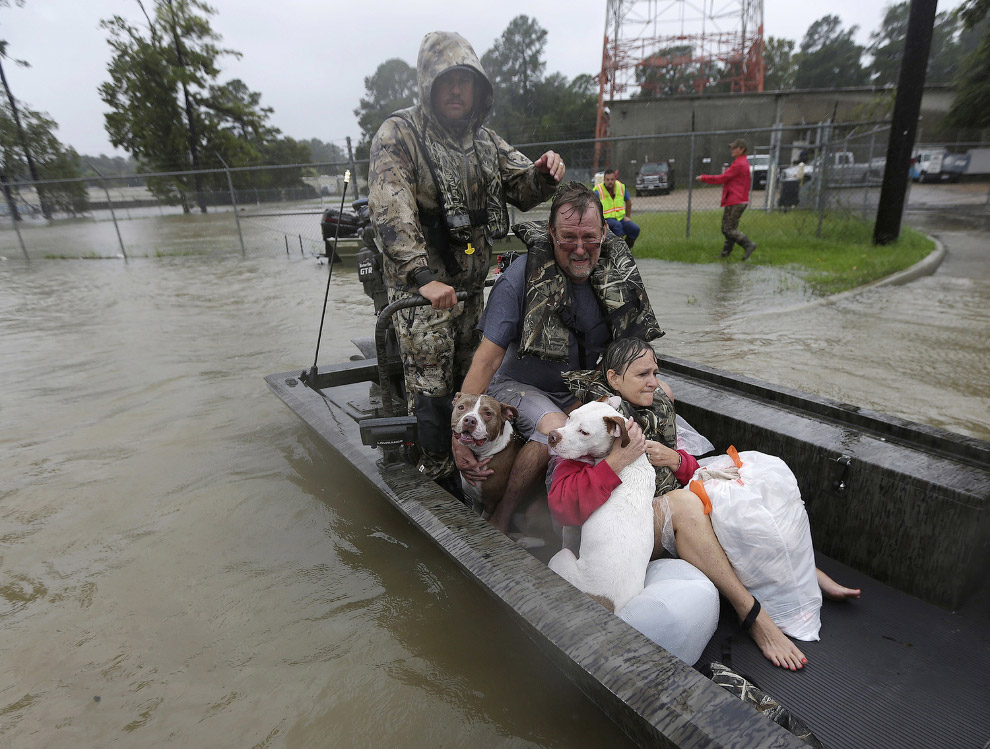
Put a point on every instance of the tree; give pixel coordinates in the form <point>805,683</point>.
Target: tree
<point>829,56</point>
<point>515,66</point>
<point>393,86</point>
<point>233,106</point>
<point>19,132</point>
<point>780,65</point>
<point>887,47</point>
<point>515,61</point>
<point>167,108</point>
<point>51,160</point>
<point>326,153</point>
<point>666,72</point>
<point>971,105</point>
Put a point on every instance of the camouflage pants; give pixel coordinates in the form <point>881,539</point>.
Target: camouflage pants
<point>730,227</point>
<point>436,348</point>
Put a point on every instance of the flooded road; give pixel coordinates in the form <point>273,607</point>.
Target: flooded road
<point>183,562</point>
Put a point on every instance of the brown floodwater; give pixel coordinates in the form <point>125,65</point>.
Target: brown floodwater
<point>182,561</point>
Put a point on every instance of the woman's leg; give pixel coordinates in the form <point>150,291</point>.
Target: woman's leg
<point>831,589</point>
<point>697,544</point>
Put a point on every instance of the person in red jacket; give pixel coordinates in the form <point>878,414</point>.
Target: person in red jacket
<point>735,183</point>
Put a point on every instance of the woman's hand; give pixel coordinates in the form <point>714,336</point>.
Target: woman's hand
<point>662,456</point>
<point>620,457</point>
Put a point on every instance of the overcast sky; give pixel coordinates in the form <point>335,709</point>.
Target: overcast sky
<point>309,58</point>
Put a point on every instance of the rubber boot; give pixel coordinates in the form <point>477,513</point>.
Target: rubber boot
<point>727,247</point>
<point>630,242</point>
<point>433,424</point>
<point>750,246</point>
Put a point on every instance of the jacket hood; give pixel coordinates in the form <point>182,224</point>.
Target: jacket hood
<point>441,51</point>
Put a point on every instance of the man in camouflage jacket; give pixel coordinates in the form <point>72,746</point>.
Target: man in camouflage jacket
<point>438,185</point>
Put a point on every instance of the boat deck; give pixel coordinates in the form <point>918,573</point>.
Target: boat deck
<point>890,670</point>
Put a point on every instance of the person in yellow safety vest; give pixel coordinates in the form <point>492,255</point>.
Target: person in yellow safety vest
<point>617,207</point>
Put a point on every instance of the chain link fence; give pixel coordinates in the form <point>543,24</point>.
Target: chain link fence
<point>824,171</point>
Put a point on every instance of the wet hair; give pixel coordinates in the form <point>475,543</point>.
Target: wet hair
<point>621,353</point>
<point>608,172</point>
<point>579,198</point>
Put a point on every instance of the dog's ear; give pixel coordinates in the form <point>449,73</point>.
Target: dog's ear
<point>614,401</point>
<point>602,399</point>
<point>616,426</point>
<point>457,395</point>
<point>509,413</point>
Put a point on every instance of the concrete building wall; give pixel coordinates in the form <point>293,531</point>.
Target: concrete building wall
<point>744,115</point>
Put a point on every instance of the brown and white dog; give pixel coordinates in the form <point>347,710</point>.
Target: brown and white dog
<point>617,540</point>
<point>484,425</point>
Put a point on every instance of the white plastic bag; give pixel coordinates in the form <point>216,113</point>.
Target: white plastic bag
<point>678,608</point>
<point>689,439</point>
<point>761,523</point>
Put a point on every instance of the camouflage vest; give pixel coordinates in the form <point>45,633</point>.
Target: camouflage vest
<point>459,214</point>
<point>657,421</point>
<point>615,281</point>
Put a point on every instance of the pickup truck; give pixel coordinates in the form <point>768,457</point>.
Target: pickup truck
<point>843,169</point>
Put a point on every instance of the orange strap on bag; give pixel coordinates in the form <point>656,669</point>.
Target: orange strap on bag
<point>734,454</point>
<point>698,489</point>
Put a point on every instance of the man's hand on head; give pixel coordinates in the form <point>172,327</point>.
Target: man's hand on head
<point>472,469</point>
<point>439,294</point>
<point>551,163</point>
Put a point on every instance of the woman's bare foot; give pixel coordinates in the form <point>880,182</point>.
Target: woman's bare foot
<point>775,645</point>
<point>834,591</point>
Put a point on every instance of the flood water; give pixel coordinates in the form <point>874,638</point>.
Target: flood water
<point>183,562</point>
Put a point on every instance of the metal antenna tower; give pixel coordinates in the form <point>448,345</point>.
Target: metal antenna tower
<point>655,48</point>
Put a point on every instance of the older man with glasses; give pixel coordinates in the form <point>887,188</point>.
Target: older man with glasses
<point>577,290</point>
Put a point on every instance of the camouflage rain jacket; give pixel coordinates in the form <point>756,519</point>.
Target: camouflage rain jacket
<point>455,194</point>
<point>615,280</point>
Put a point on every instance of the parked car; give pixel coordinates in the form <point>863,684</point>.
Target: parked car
<point>655,177</point>
<point>759,164</point>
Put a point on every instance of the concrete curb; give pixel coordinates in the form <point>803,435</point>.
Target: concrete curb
<point>924,267</point>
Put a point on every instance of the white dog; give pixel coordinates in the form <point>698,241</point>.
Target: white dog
<point>617,540</point>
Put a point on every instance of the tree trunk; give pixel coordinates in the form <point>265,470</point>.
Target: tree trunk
<point>190,114</point>
<point>22,136</point>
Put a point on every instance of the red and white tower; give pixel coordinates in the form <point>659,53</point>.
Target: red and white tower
<point>669,47</point>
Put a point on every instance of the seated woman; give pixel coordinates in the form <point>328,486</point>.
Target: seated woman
<point>629,369</point>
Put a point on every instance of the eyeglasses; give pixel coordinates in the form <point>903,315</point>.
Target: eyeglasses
<point>570,246</point>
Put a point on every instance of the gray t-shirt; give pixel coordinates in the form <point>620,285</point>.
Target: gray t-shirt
<point>501,323</point>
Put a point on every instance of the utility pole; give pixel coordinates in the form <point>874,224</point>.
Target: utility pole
<point>904,122</point>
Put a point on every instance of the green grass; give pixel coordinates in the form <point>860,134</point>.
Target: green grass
<point>85,256</point>
<point>843,258</point>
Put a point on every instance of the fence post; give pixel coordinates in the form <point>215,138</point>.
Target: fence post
<point>687,234</point>
<point>13,215</point>
<point>233,201</point>
<point>866,179</point>
<point>825,139</point>
<point>773,167</point>
<point>113,215</point>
